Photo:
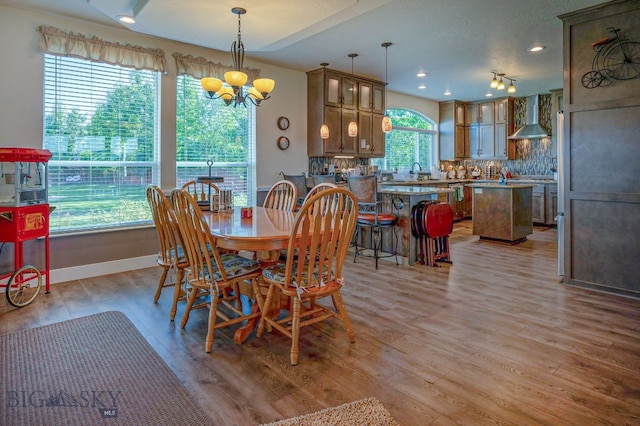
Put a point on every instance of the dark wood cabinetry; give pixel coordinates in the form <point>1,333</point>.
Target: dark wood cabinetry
<point>478,130</point>
<point>601,146</point>
<point>537,204</point>
<point>343,98</point>
<point>453,131</point>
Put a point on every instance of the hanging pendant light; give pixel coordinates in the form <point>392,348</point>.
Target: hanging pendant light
<point>324,129</point>
<point>352,130</point>
<point>387,125</point>
<point>233,94</point>
<point>500,83</point>
<point>511,88</point>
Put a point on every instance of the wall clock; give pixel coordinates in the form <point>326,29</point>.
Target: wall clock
<point>283,142</point>
<point>283,123</point>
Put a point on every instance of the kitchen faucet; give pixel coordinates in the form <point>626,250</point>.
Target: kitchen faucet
<point>419,167</point>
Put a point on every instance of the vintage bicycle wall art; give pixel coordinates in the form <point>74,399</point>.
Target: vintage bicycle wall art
<point>616,58</point>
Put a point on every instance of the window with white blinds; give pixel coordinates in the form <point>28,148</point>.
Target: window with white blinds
<point>411,140</point>
<point>101,123</point>
<point>215,139</point>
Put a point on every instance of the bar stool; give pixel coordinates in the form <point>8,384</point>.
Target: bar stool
<point>365,188</point>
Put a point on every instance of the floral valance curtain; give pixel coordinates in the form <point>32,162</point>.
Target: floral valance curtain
<point>199,67</point>
<point>57,42</point>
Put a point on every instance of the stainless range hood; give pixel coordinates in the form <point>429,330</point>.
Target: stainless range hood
<point>532,129</point>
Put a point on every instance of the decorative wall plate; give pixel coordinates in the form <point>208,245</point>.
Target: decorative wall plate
<point>283,123</point>
<point>283,142</point>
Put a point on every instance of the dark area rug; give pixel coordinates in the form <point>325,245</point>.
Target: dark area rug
<point>94,370</point>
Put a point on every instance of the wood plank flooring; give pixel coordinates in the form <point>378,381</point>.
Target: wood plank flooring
<point>494,338</point>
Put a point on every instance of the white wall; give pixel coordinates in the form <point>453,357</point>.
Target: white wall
<point>424,106</point>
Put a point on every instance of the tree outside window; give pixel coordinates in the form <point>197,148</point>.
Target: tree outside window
<point>208,130</point>
<point>101,125</point>
<point>411,140</point>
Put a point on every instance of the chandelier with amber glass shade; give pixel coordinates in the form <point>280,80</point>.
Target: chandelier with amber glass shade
<point>233,92</point>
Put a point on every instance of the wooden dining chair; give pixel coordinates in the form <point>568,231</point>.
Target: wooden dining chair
<point>171,254</point>
<point>319,187</point>
<point>218,275</point>
<point>283,195</point>
<point>201,191</point>
<point>321,234</point>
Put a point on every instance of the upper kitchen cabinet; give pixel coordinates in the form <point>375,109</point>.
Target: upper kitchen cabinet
<point>453,131</point>
<point>340,90</point>
<point>504,148</point>
<point>490,125</point>
<point>343,98</point>
<point>370,142</point>
<point>371,96</point>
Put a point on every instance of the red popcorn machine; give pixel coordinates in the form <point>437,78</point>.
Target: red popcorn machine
<point>24,215</point>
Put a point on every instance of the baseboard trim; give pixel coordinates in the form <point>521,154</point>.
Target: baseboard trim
<point>104,268</point>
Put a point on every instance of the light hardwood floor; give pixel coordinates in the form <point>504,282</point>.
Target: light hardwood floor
<point>494,338</point>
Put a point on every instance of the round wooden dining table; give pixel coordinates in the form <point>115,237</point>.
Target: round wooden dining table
<point>266,233</point>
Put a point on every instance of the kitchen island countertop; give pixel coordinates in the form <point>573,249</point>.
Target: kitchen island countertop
<point>411,190</point>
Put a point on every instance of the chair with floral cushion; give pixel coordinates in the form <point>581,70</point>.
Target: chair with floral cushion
<point>218,275</point>
<point>171,246</point>
<point>321,235</point>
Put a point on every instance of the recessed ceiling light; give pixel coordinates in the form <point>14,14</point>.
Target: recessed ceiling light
<point>421,74</point>
<point>422,86</point>
<point>536,48</point>
<point>126,19</point>
<point>489,94</point>
<point>447,93</point>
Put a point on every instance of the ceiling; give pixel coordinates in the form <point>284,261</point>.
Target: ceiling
<point>457,43</point>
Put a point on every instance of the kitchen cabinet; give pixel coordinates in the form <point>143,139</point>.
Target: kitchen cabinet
<point>340,90</point>
<point>537,204</point>
<point>337,98</point>
<point>481,141</point>
<point>371,97</point>
<point>461,208</point>
<point>491,123</point>
<point>502,212</point>
<point>545,203</point>
<point>454,134</point>
<point>551,204</point>
<point>370,140</point>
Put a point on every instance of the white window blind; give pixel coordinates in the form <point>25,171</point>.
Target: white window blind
<point>209,131</point>
<point>101,124</point>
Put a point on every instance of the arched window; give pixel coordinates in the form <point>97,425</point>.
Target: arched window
<point>413,139</point>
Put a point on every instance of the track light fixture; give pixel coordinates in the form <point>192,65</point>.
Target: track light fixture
<point>498,82</point>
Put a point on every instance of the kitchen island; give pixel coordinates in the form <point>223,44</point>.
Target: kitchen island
<point>502,212</point>
<point>405,197</point>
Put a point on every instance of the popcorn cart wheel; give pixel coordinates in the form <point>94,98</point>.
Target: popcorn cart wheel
<point>24,285</point>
